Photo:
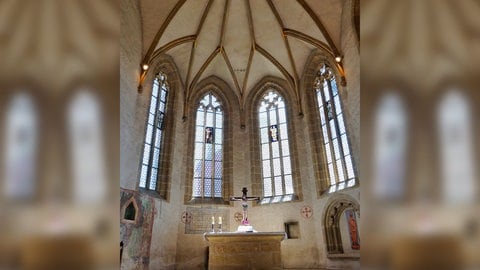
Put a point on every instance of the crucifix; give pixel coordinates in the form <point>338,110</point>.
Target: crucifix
<point>244,200</point>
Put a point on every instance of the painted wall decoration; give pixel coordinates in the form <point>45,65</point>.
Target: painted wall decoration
<point>136,236</point>
<point>186,217</point>
<point>353,228</point>
<point>306,212</point>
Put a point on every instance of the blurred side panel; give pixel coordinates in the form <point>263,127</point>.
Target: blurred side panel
<point>419,130</point>
<point>59,134</point>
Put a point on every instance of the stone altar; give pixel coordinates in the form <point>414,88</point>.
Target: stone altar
<point>244,250</point>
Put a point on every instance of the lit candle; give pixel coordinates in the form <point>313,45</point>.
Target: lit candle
<point>220,220</point>
<point>213,220</point>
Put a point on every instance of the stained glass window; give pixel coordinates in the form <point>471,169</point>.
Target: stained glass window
<point>390,136</point>
<point>21,145</point>
<point>275,155</point>
<point>208,154</point>
<point>154,133</point>
<point>457,157</point>
<point>87,149</point>
<point>340,168</point>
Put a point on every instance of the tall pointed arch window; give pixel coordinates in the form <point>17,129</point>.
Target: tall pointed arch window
<point>390,149</point>
<point>154,135</point>
<point>274,145</point>
<point>340,168</point>
<point>21,145</point>
<point>456,148</point>
<point>87,149</point>
<point>208,153</point>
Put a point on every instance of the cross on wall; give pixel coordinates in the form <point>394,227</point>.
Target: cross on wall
<point>306,212</point>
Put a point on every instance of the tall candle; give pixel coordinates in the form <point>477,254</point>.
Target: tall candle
<point>219,220</point>
<point>213,220</point>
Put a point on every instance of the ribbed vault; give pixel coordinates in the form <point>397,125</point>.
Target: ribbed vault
<point>240,41</point>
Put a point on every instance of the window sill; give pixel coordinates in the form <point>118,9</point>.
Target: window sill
<point>200,200</point>
<point>346,185</point>
<point>278,199</point>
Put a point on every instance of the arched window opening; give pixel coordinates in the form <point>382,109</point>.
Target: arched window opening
<point>390,138</point>
<point>341,173</point>
<point>154,134</point>
<point>456,148</point>
<point>86,142</point>
<point>208,149</point>
<point>21,143</point>
<point>275,148</point>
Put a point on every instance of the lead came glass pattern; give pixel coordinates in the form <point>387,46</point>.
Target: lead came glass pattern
<point>154,133</point>
<point>341,172</point>
<point>208,154</point>
<point>275,155</point>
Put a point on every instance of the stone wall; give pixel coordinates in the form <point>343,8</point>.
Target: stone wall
<point>160,240</point>
<point>130,58</point>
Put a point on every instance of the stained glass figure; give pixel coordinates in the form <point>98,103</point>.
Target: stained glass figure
<point>329,110</point>
<point>209,135</point>
<point>273,131</point>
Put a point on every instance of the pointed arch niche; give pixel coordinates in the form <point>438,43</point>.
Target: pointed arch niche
<point>130,211</point>
<point>341,224</point>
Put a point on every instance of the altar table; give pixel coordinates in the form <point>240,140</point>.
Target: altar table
<point>244,250</point>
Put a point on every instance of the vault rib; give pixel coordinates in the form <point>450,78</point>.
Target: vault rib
<point>194,45</point>
<point>230,68</point>
<point>306,38</point>
<point>159,34</point>
<point>224,23</point>
<point>317,43</point>
<point>289,51</point>
<point>277,64</point>
<point>320,26</point>
<point>285,40</point>
<point>172,44</point>
<point>250,23</point>
<point>249,64</point>
<point>202,69</point>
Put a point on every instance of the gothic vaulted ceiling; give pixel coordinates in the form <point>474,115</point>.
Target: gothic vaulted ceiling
<point>56,43</point>
<point>420,41</point>
<point>240,41</point>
